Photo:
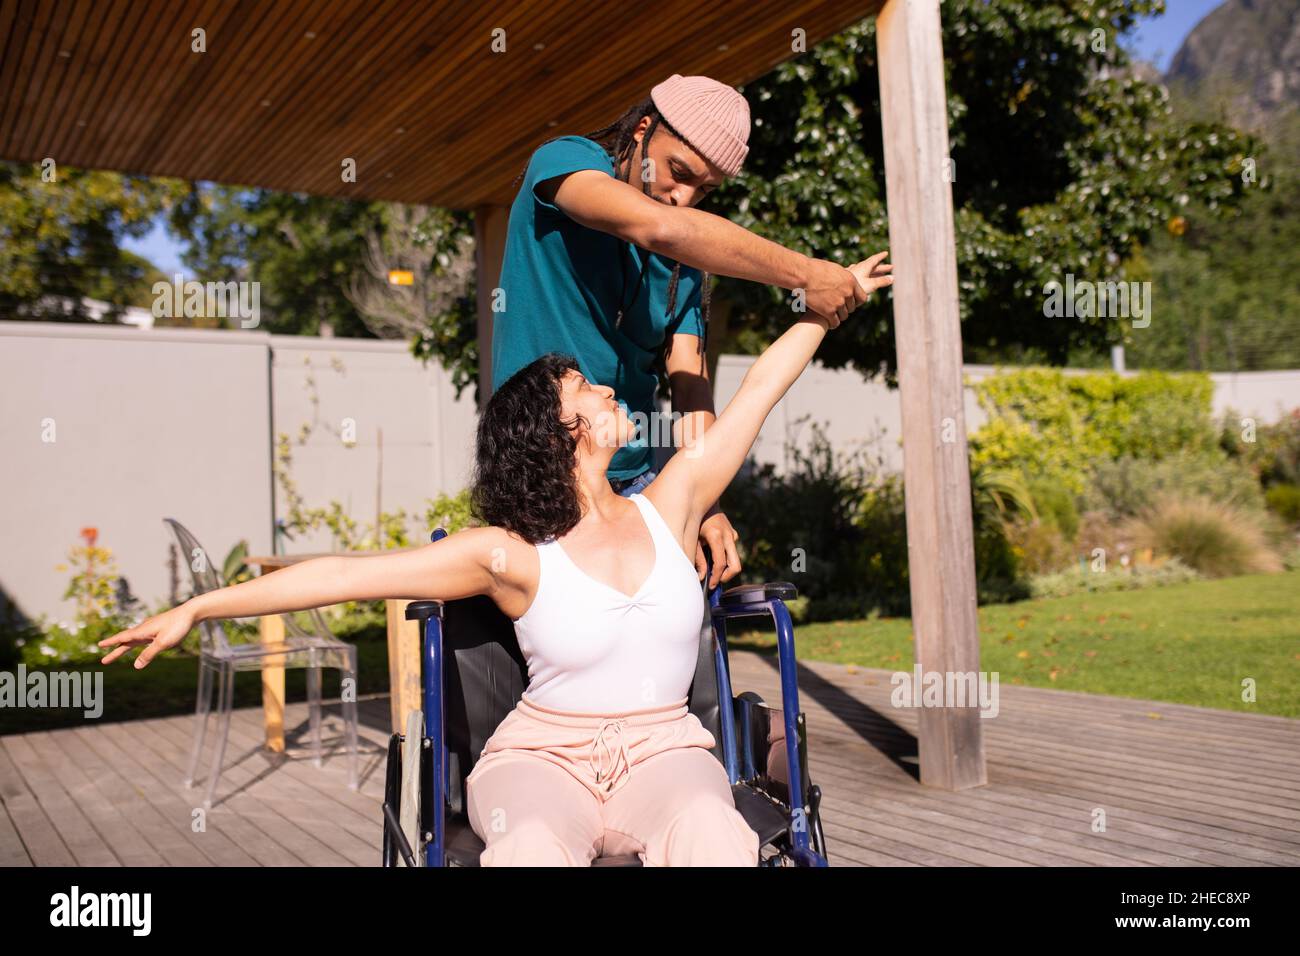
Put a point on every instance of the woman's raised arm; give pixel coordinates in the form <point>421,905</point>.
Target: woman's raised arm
<point>709,462</point>
<point>458,566</point>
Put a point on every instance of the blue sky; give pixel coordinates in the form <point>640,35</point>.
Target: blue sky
<point>1156,39</point>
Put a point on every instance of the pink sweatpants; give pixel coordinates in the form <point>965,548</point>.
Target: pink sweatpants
<point>557,788</point>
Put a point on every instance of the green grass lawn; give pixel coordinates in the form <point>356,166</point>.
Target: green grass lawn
<point>1187,643</point>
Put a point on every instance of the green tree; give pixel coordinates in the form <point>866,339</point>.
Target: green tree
<point>300,248</point>
<point>60,239</point>
<point>324,261</point>
<point>437,310</point>
<point>1228,291</point>
<point>1065,162</point>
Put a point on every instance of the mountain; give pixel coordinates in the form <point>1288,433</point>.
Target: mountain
<point>1228,288</point>
<point>1241,64</point>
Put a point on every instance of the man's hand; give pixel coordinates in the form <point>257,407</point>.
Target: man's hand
<point>716,531</point>
<point>832,291</point>
<point>159,632</point>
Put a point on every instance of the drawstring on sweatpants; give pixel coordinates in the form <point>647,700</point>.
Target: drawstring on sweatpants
<point>618,760</point>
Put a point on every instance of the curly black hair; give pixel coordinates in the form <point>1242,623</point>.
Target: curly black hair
<point>524,478</point>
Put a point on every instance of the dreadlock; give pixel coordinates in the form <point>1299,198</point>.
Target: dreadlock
<point>617,140</point>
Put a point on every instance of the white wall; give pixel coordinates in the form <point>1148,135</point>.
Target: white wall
<point>180,422</point>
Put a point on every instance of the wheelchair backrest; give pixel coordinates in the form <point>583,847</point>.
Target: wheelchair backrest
<point>485,674</point>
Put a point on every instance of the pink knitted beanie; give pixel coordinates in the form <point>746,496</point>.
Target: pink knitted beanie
<point>713,117</point>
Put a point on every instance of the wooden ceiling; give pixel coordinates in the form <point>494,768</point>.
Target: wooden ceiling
<point>409,89</point>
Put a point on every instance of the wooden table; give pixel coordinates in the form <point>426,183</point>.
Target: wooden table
<point>403,656</point>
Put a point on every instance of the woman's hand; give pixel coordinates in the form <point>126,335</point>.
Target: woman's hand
<point>159,632</point>
<point>871,274</point>
<point>716,531</point>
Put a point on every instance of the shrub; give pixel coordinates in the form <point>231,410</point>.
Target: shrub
<point>1215,538</point>
<point>807,526</point>
<point>1002,589</point>
<point>1284,501</point>
<point>1055,506</point>
<point>837,530</point>
<point>14,632</point>
<point>1081,578</point>
<point>1102,536</point>
<point>451,512</point>
<point>104,606</point>
<point>999,497</point>
<point>1040,545</point>
<point>1271,451</point>
<point>1125,487</point>
<point>67,642</point>
<point>1054,425</point>
<point>881,539</point>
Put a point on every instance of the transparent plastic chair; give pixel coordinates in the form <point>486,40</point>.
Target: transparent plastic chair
<point>220,659</point>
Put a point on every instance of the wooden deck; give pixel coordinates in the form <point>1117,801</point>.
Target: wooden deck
<point>1178,786</point>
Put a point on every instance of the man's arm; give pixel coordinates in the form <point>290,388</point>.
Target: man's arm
<point>688,376</point>
<point>701,240</point>
<point>692,394</point>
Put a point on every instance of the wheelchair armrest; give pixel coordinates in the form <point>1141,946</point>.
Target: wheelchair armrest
<point>758,593</point>
<point>423,610</point>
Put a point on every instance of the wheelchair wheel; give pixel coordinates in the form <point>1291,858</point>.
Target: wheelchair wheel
<point>410,792</point>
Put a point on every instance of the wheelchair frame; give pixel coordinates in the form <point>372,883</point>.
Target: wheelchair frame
<point>745,726</point>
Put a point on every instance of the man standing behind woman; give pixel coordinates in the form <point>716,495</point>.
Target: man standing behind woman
<point>606,259</point>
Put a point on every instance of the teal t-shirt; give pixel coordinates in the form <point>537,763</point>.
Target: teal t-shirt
<point>560,285</point>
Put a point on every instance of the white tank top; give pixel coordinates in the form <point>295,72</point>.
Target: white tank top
<point>592,649</point>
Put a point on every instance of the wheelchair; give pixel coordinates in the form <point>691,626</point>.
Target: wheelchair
<point>473,675</point>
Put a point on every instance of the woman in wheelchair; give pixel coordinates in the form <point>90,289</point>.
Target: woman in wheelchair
<point>601,755</point>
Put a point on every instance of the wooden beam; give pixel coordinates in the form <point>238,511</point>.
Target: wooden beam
<point>405,691</point>
<point>438,102</point>
<point>490,247</point>
<point>927,331</point>
<point>271,630</point>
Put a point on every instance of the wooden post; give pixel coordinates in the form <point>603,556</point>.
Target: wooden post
<point>271,629</point>
<point>927,330</point>
<point>405,692</point>
<point>490,245</point>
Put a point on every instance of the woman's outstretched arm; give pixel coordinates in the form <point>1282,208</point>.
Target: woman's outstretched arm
<point>710,461</point>
<point>458,566</point>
